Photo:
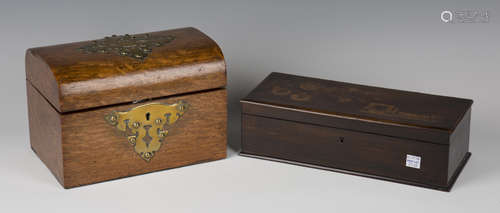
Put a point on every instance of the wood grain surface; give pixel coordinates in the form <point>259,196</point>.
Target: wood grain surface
<point>82,148</point>
<point>70,91</point>
<point>356,129</point>
<point>74,80</point>
<point>344,149</point>
<point>45,132</point>
<point>95,151</point>
<point>364,108</point>
<point>459,144</point>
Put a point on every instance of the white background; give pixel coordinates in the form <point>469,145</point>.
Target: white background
<point>394,44</point>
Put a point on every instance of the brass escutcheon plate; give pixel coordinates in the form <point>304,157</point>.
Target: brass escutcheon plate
<point>145,126</point>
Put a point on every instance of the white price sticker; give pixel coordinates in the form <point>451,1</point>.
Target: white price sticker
<point>413,161</point>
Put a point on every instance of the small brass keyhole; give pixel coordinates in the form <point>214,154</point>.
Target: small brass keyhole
<point>147,116</point>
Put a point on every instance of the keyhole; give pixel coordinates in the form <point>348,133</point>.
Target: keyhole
<point>340,139</point>
<point>147,116</point>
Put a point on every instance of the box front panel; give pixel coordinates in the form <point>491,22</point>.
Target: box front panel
<point>99,147</point>
<point>343,149</point>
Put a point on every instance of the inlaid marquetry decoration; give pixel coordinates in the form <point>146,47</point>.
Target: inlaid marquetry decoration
<point>145,126</point>
<point>393,111</point>
<point>134,46</point>
<point>372,102</point>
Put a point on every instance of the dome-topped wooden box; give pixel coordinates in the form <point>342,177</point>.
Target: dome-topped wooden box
<point>127,105</point>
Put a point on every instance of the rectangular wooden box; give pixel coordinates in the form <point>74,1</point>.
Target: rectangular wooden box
<point>388,134</point>
<point>127,105</point>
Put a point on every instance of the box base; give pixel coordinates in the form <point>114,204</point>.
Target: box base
<point>441,188</point>
<point>118,178</point>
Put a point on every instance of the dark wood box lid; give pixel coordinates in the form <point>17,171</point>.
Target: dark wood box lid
<point>390,112</point>
<point>127,68</point>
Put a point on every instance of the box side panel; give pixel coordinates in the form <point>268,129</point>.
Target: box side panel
<point>343,149</point>
<point>96,151</point>
<point>45,131</point>
<point>459,144</point>
<point>39,74</point>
